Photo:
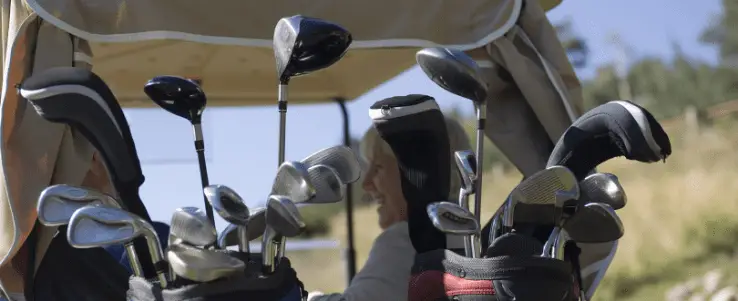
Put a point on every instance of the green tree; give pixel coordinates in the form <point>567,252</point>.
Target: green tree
<point>575,46</point>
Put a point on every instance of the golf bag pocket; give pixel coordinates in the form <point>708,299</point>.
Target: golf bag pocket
<point>282,285</point>
<point>444,275</point>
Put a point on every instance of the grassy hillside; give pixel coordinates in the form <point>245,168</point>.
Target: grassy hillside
<point>681,218</point>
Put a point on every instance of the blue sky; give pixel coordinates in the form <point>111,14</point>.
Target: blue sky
<point>241,143</point>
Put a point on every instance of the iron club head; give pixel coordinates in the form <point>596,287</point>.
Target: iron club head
<point>541,197</point>
<point>191,226</point>
<point>303,45</point>
<point>57,203</point>
<point>603,188</point>
<point>293,181</point>
<point>454,71</point>
<point>177,95</point>
<point>228,204</point>
<point>341,159</point>
<point>257,224</point>
<point>466,163</point>
<point>328,187</point>
<point>452,219</point>
<point>203,265</point>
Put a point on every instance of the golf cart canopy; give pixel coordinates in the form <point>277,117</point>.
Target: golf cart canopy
<point>226,44</point>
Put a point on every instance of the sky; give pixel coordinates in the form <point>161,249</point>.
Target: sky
<point>241,143</point>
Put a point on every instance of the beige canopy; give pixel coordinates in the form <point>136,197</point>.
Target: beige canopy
<point>227,45</point>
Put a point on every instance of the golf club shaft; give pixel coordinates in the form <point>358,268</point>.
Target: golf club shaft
<point>481,119</point>
<point>282,107</point>
<point>133,260</point>
<point>464,203</point>
<point>243,239</point>
<point>200,149</point>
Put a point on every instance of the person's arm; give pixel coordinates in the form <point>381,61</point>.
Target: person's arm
<point>386,273</point>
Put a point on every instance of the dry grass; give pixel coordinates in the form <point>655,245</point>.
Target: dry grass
<point>672,209</point>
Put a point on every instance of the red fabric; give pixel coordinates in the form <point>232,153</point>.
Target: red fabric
<point>434,285</point>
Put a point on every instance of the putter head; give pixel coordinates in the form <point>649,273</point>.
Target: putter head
<point>227,203</point>
<point>96,226</point>
<point>293,181</point>
<point>283,216</point>
<point>257,224</point>
<point>328,187</point>
<point>454,71</point>
<point>603,188</point>
<point>57,203</point>
<point>541,197</point>
<point>342,159</point>
<point>203,265</point>
<point>595,223</point>
<point>452,219</point>
<point>466,163</point>
<point>177,95</point>
<point>190,225</point>
<point>303,45</point>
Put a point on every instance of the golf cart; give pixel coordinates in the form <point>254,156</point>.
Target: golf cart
<point>128,43</point>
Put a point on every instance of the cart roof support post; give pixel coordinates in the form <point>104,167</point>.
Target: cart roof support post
<point>349,251</point>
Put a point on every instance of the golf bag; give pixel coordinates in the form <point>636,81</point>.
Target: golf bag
<point>513,270</point>
<point>282,285</point>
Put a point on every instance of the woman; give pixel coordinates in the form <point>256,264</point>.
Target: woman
<point>386,273</point>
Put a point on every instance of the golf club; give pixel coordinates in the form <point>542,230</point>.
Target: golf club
<point>344,162</point>
<point>81,99</point>
<point>257,224</point>
<point>293,180</point>
<point>466,165</point>
<point>456,72</point>
<point>594,223</point>
<point>282,220</point>
<point>541,197</point>
<point>184,98</point>
<point>454,219</point>
<point>231,207</point>
<point>96,226</point>
<point>603,188</point>
<point>202,265</point>
<point>57,203</point>
<point>303,45</point>
<point>190,225</point>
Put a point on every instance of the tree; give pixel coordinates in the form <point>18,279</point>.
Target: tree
<point>575,46</point>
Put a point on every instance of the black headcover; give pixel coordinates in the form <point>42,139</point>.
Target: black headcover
<point>81,99</point>
<point>617,128</point>
<point>415,129</point>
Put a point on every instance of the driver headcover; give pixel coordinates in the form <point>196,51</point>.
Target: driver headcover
<point>415,129</point>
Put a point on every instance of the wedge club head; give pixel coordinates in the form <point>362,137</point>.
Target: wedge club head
<point>603,188</point>
<point>341,159</point>
<point>466,164</point>
<point>228,204</point>
<point>283,220</point>
<point>293,181</point>
<point>257,225</point>
<point>303,45</point>
<point>454,71</point>
<point>452,219</point>
<point>203,265</point>
<point>177,95</point>
<point>57,203</point>
<point>541,197</point>
<point>328,186</point>
<point>191,226</point>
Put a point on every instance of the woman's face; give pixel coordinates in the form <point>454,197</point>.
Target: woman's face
<point>382,183</point>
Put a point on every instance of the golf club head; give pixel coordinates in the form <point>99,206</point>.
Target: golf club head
<point>57,203</point>
<point>454,71</point>
<point>303,45</point>
<point>541,197</point>
<point>203,265</point>
<point>328,188</point>
<point>466,163</point>
<point>227,203</point>
<point>283,216</point>
<point>452,219</point>
<point>257,224</point>
<point>96,226</point>
<point>190,225</point>
<point>603,188</point>
<point>342,159</point>
<point>293,181</point>
<point>594,223</point>
<point>177,95</point>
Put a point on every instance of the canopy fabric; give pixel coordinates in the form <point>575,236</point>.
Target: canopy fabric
<point>534,90</point>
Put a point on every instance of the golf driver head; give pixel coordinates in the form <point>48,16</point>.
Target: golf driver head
<point>95,226</point>
<point>454,71</point>
<point>342,159</point>
<point>303,45</point>
<point>283,216</point>
<point>541,197</point>
<point>466,163</point>
<point>594,223</point>
<point>257,224</point>
<point>451,218</point>
<point>57,203</point>
<point>177,95</point>
<point>293,181</point>
<point>227,203</point>
<point>190,225</point>
<point>603,188</point>
<point>203,265</point>
<point>328,187</point>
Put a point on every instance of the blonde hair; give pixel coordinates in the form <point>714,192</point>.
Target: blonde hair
<point>457,138</point>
